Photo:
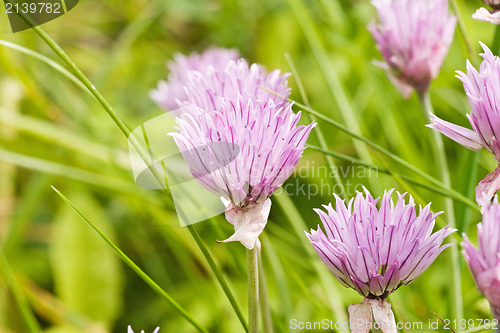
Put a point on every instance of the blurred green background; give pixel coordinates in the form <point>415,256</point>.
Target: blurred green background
<point>54,133</point>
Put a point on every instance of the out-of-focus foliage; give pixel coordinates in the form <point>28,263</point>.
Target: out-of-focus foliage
<point>54,133</point>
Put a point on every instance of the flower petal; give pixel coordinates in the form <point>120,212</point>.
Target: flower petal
<point>488,283</point>
<point>459,134</point>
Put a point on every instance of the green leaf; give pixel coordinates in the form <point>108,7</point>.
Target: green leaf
<point>134,267</point>
<point>87,275</point>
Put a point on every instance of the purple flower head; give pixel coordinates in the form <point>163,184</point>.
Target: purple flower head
<point>483,91</point>
<point>484,263</point>
<point>376,250</point>
<point>240,142</point>
<point>263,141</point>
<point>492,16</point>
<point>169,94</point>
<point>414,38</point>
<point>237,81</point>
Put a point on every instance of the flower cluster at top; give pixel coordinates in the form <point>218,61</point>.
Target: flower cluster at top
<point>414,38</point>
<point>236,130</point>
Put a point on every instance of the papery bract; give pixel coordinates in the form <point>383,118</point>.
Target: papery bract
<point>492,16</point>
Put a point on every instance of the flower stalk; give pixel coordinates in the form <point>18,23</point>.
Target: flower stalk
<point>253,289</point>
<point>440,157</point>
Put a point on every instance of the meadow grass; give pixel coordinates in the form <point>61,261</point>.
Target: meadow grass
<point>68,129</point>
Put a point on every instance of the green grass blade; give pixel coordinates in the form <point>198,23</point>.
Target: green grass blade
<point>439,153</point>
<point>495,45</point>
<point>50,132</point>
<point>394,157</point>
<point>154,286</point>
<point>463,29</point>
<point>24,307</point>
<point>330,74</point>
<point>317,131</point>
<point>470,174</point>
<point>23,215</point>
<point>280,277</point>
<point>45,60</point>
<point>84,80</point>
<point>53,168</point>
<point>267,320</point>
<point>218,274</point>
<point>124,129</point>
<point>444,191</point>
<point>327,280</point>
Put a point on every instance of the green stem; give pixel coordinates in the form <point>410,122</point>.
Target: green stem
<point>86,82</point>
<point>267,319</point>
<point>22,303</point>
<point>440,158</point>
<point>218,274</point>
<point>463,29</point>
<point>253,290</point>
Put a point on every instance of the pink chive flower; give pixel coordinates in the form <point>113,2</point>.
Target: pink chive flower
<point>414,38</point>
<point>240,142</point>
<point>484,263</point>
<point>238,80</point>
<point>168,94</point>
<point>492,16</point>
<point>376,250</point>
<point>483,91</point>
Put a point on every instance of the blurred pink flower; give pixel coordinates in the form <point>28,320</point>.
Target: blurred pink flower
<point>414,38</point>
<point>169,94</point>
<point>484,263</point>
<point>376,250</point>
<point>236,81</point>
<point>240,142</point>
<point>493,15</point>
<point>483,91</point>
<point>492,3</point>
